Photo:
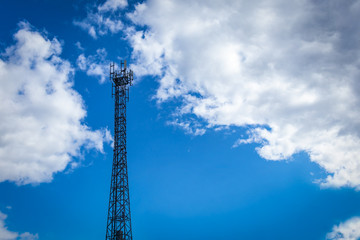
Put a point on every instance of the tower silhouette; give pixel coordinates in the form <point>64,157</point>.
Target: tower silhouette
<point>119,215</point>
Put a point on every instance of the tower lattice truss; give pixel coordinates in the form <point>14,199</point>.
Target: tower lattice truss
<point>119,215</point>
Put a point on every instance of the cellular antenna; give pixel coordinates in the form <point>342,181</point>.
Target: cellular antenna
<point>119,215</point>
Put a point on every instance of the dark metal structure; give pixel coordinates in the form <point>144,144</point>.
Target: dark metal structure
<point>119,216</point>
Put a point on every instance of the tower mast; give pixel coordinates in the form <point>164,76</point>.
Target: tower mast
<point>119,216</point>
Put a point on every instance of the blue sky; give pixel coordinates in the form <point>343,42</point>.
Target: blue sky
<point>243,122</point>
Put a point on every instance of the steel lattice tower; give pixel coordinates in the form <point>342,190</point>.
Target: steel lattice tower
<point>119,216</point>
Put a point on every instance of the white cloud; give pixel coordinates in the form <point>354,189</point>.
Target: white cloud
<point>287,70</point>
<point>28,236</point>
<point>6,234</point>
<point>41,115</point>
<point>104,19</point>
<point>95,65</point>
<point>190,127</point>
<point>78,45</point>
<point>96,24</point>
<point>349,230</point>
<point>112,5</point>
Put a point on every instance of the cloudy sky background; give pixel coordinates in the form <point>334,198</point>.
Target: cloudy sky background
<point>247,110</point>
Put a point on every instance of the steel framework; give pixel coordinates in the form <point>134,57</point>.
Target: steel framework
<point>119,216</point>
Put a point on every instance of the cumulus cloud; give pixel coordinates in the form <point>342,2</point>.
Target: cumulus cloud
<point>95,65</point>
<point>286,70</point>
<point>6,234</point>
<point>103,19</point>
<point>41,115</point>
<point>349,230</point>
